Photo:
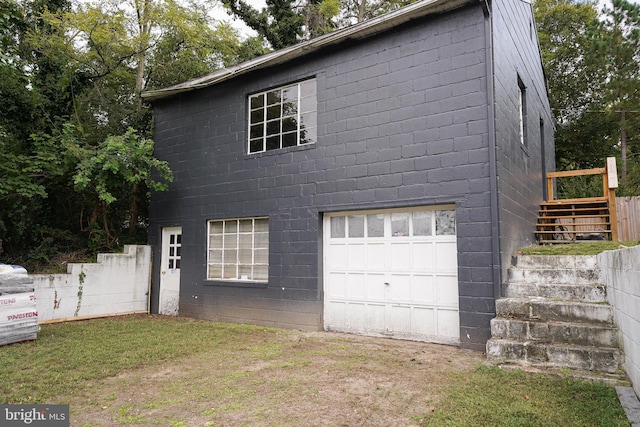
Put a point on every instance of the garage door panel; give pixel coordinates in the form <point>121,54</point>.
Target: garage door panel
<point>337,257</point>
<point>356,256</point>
<point>446,256</point>
<point>423,256</point>
<point>448,323</point>
<point>447,290</point>
<point>399,288</point>
<point>400,256</point>
<point>399,320</point>
<point>375,318</point>
<point>375,257</point>
<point>423,289</point>
<point>423,321</point>
<point>391,273</point>
<point>335,317</point>
<point>355,316</point>
<point>376,287</point>
<point>337,286</point>
<point>355,286</point>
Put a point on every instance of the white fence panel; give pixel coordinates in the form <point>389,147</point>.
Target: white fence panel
<point>116,284</point>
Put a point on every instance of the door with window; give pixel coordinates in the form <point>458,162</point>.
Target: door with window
<point>170,271</point>
<point>392,273</point>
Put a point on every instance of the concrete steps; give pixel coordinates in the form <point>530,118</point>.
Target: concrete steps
<point>553,332</point>
<point>554,314</point>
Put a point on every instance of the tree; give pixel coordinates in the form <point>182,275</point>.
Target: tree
<point>284,23</point>
<point>354,11</point>
<point>591,63</point>
<point>119,166</point>
<point>565,34</point>
<point>618,44</point>
<point>75,134</point>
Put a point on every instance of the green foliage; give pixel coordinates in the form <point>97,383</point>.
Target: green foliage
<point>74,132</point>
<point>354,11</point>
<point>582,248</point>
<point>284,23</point>
<point>117,165</point>
<point>592,65</point>
<point>17,172</point>
<point>10,19</point>
<point>279,23</point>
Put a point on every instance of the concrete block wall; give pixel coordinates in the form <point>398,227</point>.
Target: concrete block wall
<point>402,121</point>
<point>116,284</point>
<point>620,271</point>
<point>521,168</point>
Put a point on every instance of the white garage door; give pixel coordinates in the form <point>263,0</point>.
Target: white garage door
<point>392,273</point>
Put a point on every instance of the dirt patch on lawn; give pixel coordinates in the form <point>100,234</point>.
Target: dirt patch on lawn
<point>283,379</point>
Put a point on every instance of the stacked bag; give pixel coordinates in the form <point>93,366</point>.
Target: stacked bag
<point>18,313</point>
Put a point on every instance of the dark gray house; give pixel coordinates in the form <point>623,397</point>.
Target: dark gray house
<point>374,180</point>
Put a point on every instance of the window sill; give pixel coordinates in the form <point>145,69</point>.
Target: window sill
<point>281,151</point>
<point>236,283</point>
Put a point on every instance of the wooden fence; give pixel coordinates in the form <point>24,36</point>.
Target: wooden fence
<point>628,218</point>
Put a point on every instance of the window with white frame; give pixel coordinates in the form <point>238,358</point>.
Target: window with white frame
<point>522,108</point>
<point>418,222</point>
<point>238,249</point>
<point>283,117</point>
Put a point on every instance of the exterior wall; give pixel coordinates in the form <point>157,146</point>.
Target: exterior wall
<point>520,169</point>
<point>116,284</point>
<point>620,271</point>
<point>402,121</point>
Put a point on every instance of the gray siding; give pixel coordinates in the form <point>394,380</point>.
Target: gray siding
<point>520,169</point>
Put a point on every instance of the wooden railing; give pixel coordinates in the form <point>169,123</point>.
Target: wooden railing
<point>568,218</point>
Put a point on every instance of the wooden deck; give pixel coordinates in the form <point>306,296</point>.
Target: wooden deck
<point>584,219</point>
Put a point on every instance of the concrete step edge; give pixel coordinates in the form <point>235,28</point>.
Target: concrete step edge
<point>601,359</point>
<point>551,332</point>
<point>546,309</point>
<point>566,261</point>
<point>558,292</point>
<point>554,276</point>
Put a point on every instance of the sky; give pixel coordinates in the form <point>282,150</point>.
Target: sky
<point>221,14</point>
<point>602,2</point>
<point>259,4</point>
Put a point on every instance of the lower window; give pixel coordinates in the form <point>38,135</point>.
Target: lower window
<point>238,249</point>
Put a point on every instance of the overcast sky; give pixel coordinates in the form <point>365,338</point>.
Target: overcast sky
<point>259,4</point>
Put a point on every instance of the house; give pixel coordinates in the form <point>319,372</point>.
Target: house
<point>374,180</point>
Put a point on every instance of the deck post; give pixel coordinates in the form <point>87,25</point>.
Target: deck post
<point>612,184</point>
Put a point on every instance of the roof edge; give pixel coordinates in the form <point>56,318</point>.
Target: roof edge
<point>355,32</point>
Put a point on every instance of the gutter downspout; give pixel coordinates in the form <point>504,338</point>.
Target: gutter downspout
<point>493,171</point>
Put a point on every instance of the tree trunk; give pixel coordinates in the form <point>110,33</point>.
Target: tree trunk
<point>362,9</point>
<point>133,211</point>
<point>623,143</point>
<point>142,13</point>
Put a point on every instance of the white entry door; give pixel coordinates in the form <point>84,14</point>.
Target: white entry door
<point>170,271</point>
<point>392,273</point>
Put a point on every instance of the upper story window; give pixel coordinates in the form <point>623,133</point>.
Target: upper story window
<point>283,117</point>
<point>522,107</point>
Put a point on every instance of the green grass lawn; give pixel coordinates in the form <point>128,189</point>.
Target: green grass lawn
<point>582,248</point>
<point>74,362</point>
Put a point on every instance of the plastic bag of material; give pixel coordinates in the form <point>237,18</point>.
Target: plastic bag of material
<point>14,279</point>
